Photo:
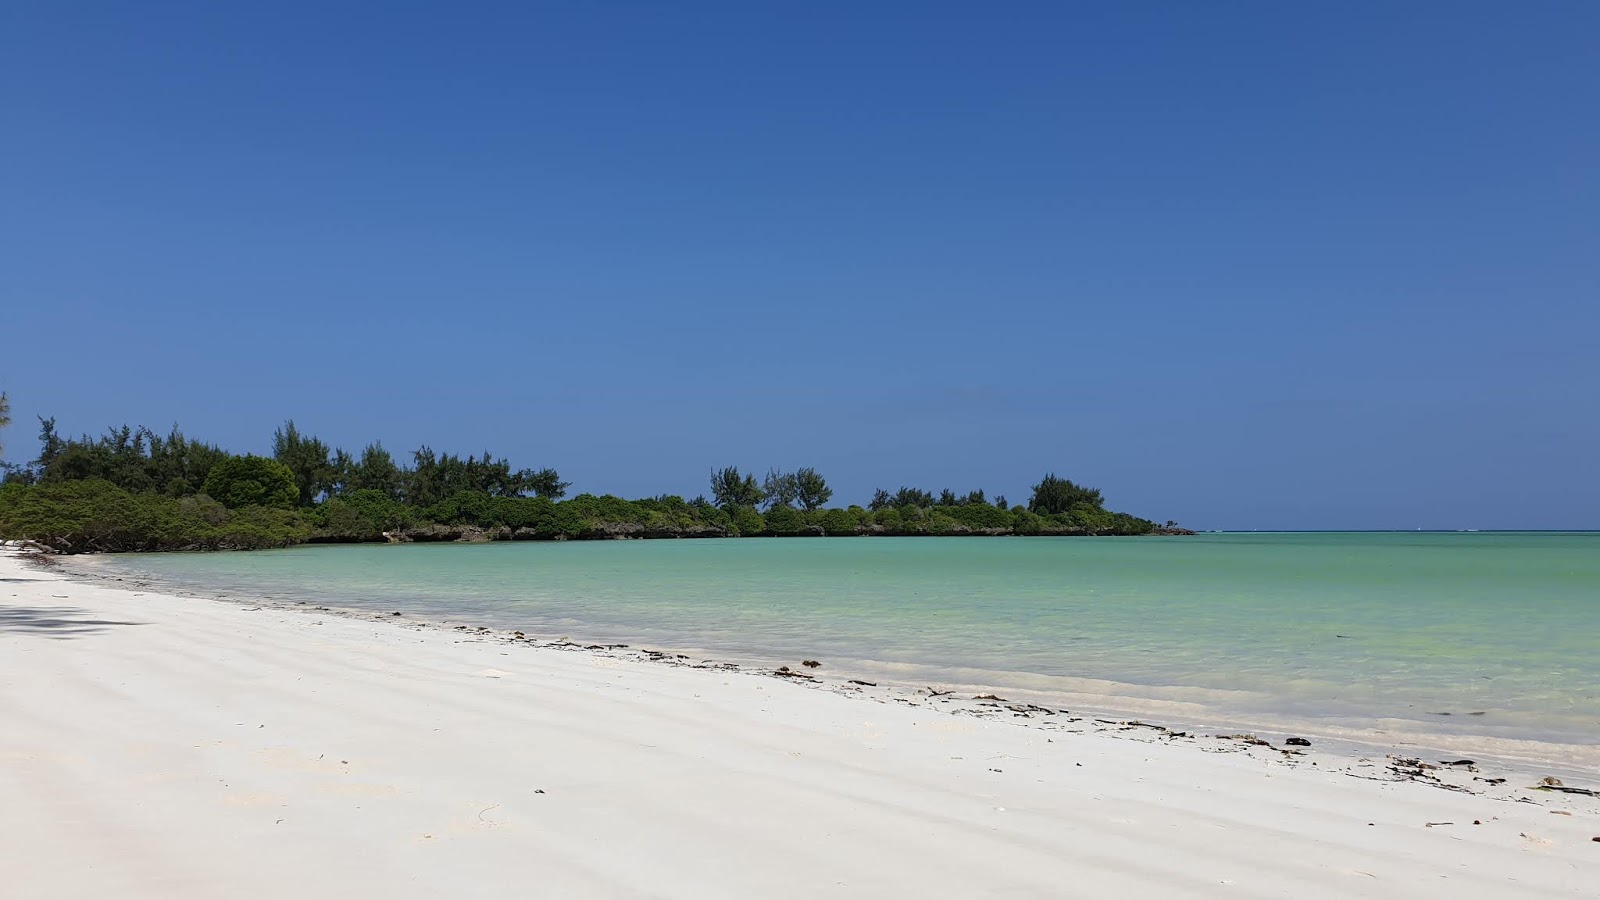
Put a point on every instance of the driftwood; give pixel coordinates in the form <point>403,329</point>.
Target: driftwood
<point>1582,792</point>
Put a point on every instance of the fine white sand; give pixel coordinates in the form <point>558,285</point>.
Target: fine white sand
<point>160,746</point>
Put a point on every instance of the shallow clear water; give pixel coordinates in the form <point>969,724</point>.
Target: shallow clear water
<point>1354,628</point>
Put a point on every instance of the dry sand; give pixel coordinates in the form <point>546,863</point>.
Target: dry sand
<point>161,746</point>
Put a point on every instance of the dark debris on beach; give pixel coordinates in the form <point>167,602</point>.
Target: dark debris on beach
<point>1458,775</point>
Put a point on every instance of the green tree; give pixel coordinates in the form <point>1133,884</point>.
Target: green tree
<point>307,458</point>
<point>131,488</point>
<point>240,481</point>
<point>134,459</point>
<point>344,473</point>
<point>375,471</point>
<point>360,515</point>
<point>543,483</point>
<point>50,443</point>
<point>733,491</point>
<point>437,476</point>
<point>780,489</point>
<point>1054,495</point>
<point>811,489</point>
<point>913,497</point>
<point>177,465</point>
<point>5,416</point>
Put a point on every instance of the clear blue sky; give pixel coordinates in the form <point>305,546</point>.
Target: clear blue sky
<point>1245,265</point>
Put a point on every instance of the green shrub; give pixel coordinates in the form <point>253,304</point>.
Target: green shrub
<point>1025,521</point>
<point>362,515</point>
<point>979,515</point>
<point>747,521</point>
<point>840,522</point>
<point>259,528</point>
<point>785,520</point>
<point>240,481</point>
<point>91,515</point>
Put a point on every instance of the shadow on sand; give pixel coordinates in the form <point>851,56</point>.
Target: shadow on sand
<point>52,621</point>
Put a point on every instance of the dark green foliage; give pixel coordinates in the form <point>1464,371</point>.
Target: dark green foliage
<point>706,512</point>
<point>779,489</point>
<point>586,515</point>
<point>132,489</point>
<point>544,483</point>
<point>804,487</point>
<point>135,460</point>
<point>912,497</point>
<point>362,515</point>
<point>948,497</point>
<point>307,460</point>
<point>258,527</point>
<point>1058,495</point>
<point>785,520</point>
<point>733,491</point>
<point>375,471</point>
<point>842,522</point>
<point>905,497</point>
<point>50,443</point>
<point>747,521</point>
<point>435,477</point>
<point>811,489</point>
<point>96,515</point>
<point>1024,521</point>
<point>607,508</point>
<point>240,481</point>
<point>11,473</point>
<point>670,514</point>
<point>977,516</point>
<point>916,498</point>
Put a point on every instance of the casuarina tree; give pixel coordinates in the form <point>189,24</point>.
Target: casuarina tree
<point>810,488</point>
<point>732,490</point>
<point>1058,495</point>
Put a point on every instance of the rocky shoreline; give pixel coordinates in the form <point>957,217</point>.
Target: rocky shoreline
<point>603,531</point>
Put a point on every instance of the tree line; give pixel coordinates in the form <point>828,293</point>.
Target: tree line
<point>136,489</point>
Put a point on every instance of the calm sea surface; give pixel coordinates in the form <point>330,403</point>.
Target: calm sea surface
<point>1354,629</point>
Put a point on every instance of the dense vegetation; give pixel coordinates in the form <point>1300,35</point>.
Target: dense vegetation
<point>133,489</point>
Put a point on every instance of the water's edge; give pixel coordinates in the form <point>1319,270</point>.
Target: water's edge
<point>1106,705</point>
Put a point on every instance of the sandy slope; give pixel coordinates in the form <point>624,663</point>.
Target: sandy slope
<point>156,746</point>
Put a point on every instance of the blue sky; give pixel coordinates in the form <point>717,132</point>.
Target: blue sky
<point>1244,265</point>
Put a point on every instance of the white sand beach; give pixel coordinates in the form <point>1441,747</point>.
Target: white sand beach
<point>174,747</point>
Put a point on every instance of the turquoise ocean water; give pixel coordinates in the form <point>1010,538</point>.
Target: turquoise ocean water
<point>1499,630</point>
